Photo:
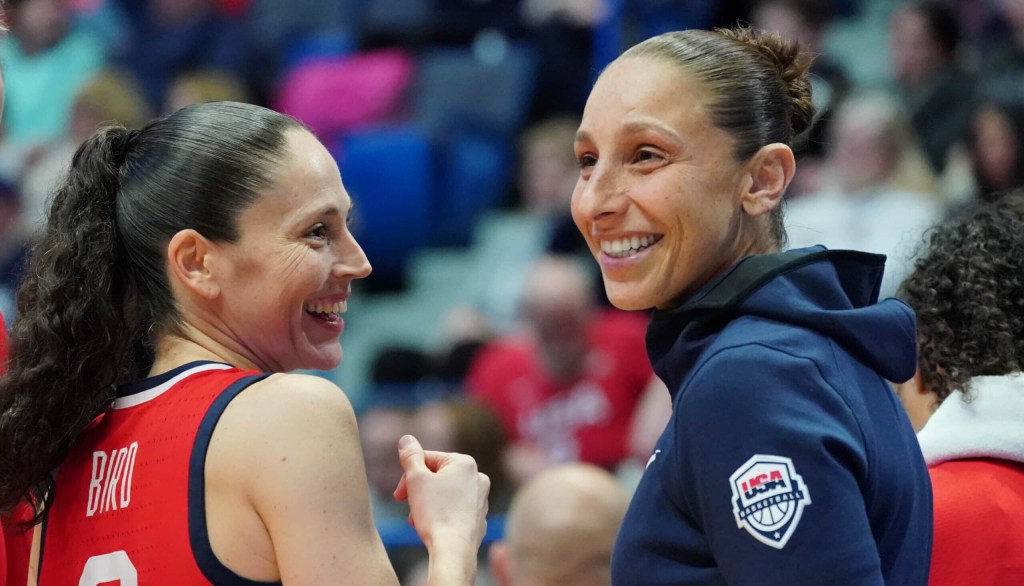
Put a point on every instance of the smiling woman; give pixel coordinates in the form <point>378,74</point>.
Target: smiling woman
<point>785,433</point>
<point>185,267</point>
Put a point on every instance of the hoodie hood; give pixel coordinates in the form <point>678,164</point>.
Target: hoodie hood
<point>831,292</point>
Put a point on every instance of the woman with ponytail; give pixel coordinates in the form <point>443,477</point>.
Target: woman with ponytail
<point>147,416</point>
<point>787,458</point>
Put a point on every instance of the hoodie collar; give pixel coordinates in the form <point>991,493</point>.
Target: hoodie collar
<point>986,425</point>
<point>832,292</point>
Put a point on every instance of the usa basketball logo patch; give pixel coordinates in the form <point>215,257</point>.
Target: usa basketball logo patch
<point>768,497</point>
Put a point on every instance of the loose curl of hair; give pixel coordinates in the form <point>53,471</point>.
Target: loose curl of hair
<point>95,294</point>
<point>968,292</point>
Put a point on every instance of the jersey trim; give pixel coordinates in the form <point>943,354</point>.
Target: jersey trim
<point>42,545</point>
<point>137,393</point>
<point>202,551</point>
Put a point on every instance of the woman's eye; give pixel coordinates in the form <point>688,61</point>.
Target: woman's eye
<point>319,232</point>
<point>586,161</point>
<point>646,155</point>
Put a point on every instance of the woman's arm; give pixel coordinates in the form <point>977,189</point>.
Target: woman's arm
<point>286,465</point>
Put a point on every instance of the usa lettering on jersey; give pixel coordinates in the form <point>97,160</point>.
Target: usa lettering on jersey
<point>768,498</point>
<point>110,486</point>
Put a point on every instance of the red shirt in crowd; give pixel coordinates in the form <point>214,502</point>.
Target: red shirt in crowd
<point>587,418</point>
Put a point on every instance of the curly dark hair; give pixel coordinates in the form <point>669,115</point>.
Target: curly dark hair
<point>968,292</point>
<point>95,294</point>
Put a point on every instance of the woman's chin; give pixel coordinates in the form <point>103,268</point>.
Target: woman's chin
<point>627,297</point>
<point>324,359</point>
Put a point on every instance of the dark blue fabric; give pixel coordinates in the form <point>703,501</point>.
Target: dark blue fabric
<point>783,359</point>
<point>215,571</point>
<point>140,386</point>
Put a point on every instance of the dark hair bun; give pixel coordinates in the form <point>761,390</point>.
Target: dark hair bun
<point>793,65</point>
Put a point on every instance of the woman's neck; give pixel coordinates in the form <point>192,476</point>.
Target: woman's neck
<point>188,345</point>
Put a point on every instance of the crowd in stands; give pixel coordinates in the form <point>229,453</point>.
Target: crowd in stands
<point>444,113</point>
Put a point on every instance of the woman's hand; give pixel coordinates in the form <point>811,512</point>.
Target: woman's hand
<point>447,504</point>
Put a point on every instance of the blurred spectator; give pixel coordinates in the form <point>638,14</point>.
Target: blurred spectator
<point>47,58</point>
<point>1002,61</point>
<point>396,373</point>
<point>458,425</point>
<point>172,37</point>
<point>547,176</point>
<point>107,97</point>
<point>563,33</point>
<point>996,146</point>
<point>560,529</point>
<point>878,194</point>
<point>967,398</point>
<point>548,168</point>
<point>567,388</point>
<point>380,427</point>
<point>924,38</point>
<point>196,87</point>
<point>806,21</point>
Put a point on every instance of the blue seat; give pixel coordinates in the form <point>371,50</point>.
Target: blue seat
<point>473,102</point>
<point>389,173</point>
<point>318,45</point>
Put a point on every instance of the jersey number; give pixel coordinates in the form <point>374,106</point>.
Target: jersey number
<point>109,567</point>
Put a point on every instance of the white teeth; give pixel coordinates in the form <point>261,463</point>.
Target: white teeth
<point>625,247</point>
<point>339,307</point>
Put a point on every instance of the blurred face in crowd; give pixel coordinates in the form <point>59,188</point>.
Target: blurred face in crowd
<point>913,49</point>
<point>379,431</point>
<point>784,19</point>
<point>547,178</point>
<point>557,306</point>
<point>1013,11</point>
<point>40,24</point>
<point>860,155</point>
<point>996,148</point>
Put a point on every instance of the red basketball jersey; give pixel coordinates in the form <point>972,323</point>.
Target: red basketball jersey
<point>129,505</point>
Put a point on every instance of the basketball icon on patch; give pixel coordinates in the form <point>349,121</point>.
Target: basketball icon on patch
<point>768,497</point>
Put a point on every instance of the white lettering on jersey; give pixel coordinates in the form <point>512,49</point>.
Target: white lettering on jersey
<point>554,424</point>
<point>110,486</point>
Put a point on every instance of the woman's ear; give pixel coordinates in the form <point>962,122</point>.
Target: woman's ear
<point>499,562</point>
<point>771,170</point>
<point>190,263</point>
<point>918,401</point>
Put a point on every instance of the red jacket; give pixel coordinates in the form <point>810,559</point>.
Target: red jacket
<point>979,522</point>
<point>975,455</point>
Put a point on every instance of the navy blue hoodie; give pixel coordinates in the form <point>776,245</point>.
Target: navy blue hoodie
<point>788,458</point>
